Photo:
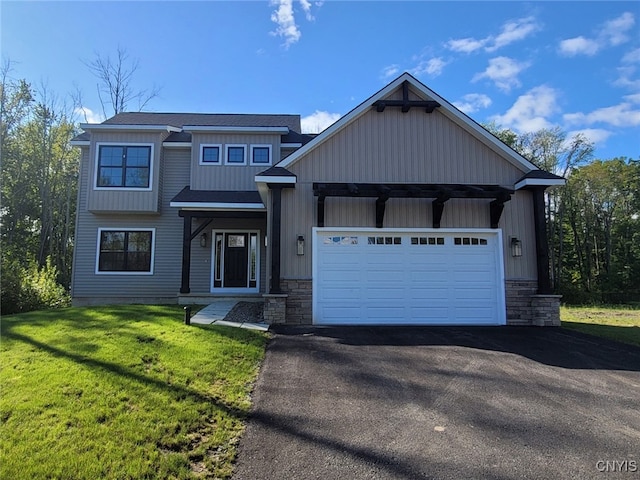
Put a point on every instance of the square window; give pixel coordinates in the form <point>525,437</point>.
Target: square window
<point>432,240</point>
<point>423,240</point>
<point>397,240</point>
<point>210,154</point>
<point>457,241</point>
<point>371,240</point>
<point>483,241</point>
<point>414,240</point>
<point>236,155</point>
<point>440,241</point>
<point>261,155</point>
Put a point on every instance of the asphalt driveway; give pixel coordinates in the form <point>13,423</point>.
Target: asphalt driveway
<point>445,403</point>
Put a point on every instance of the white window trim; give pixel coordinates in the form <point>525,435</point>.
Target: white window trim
<point>226,154</point>
<point>266,145</point>
<point>127,229</point>
<point>123,189</point>
<point>203,146</point>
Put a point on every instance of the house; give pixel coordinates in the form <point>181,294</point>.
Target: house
<point>404,211</point>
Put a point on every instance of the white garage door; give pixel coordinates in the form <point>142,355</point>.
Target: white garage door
<point>402,277</point>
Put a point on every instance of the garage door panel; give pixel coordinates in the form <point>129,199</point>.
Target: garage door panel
<point>428,294</point>
<point>383,294</point>
<point>409,281</point>
<point>354,294</point>
<point>384,314</point>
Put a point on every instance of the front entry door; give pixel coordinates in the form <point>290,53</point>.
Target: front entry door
<point>236,260</point>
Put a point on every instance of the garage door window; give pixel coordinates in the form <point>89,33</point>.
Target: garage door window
<point>340,240</point>
<point>427,240</point>
<point>469,241</point>
<point>384,240</point>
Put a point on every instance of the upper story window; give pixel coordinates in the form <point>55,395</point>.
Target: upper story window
<point>124,166</point>
<point>210,155</point>
<point>260,154</point>
<point>236,155</point>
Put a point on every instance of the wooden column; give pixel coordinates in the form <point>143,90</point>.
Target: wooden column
<point>186,253</point>
<point>274,241</point>
<point>542,244</point>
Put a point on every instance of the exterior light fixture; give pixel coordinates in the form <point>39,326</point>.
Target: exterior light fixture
<point>203,240</point>
<point>300,244</point>
<point>516,247</point>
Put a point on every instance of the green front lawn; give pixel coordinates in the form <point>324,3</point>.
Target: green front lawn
<point>122,392</point>
<point>616,323</point>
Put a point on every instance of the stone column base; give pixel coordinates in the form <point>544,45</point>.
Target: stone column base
<point>275,308</point>
<point>545,310</point>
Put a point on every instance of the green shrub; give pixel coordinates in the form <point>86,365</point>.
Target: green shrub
<point>30,288</point>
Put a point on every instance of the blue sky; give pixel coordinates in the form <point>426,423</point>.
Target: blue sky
<point>524,65</point>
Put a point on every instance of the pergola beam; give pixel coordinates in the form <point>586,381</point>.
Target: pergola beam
<point>440,193</point>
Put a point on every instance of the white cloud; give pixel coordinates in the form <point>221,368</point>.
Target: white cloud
<point>512,31</point>
<point>390,71</point>
<point>625,78</point>
<point>615,31</point>
<point>318,121</point>
<point>284,17</point>
<point>625,114</point>
<point>530,111</point>
<point>593,135</point>
<point>306,6</point>
<point>472,102</point>
<point>503,71</point>
<point>432,67</point>
<point>465,45</point>
<point>612,33</point>
<point>632,57</point>
<point>88,116</point>
<point>578,45</point>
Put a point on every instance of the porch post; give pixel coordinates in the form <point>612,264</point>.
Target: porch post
<point>542,244</point>
<point>274,241</point>
<point>186,253</point>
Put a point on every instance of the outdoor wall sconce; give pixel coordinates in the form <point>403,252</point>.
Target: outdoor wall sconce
<point>203,240</point>
<point>300,243</point>
<point>516,247</point>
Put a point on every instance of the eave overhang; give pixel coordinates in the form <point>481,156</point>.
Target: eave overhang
<point>214,200</point>
<point>232,129</point>
<point>141,128</point>
<point>539,178</point>
<point>274,176</point>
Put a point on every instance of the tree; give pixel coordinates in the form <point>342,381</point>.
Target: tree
<point>39,181</point>
<point>603,230</point>
<point>115,87</point>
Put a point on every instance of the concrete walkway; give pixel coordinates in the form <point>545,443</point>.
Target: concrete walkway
<point>218,310</point>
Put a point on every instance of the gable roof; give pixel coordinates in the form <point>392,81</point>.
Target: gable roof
<point>446,108</point>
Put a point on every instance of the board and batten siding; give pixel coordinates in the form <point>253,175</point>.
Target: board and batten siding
<point>396,147</point>
<point>229,177</point>
<point>165,281</point>
<point>122,200</point>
